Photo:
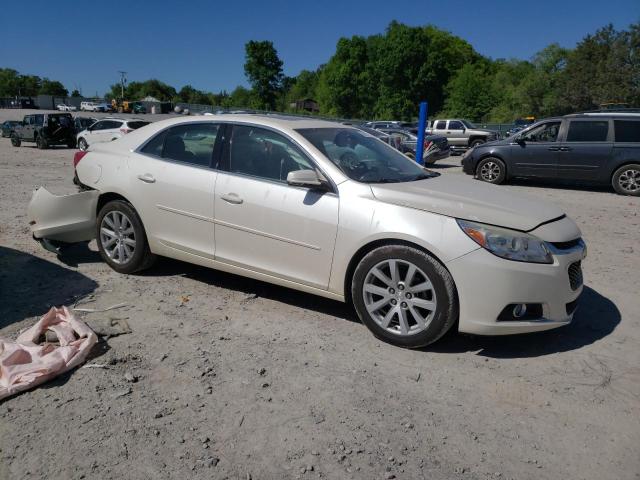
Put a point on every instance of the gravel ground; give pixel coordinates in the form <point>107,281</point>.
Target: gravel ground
<point>225,377</point>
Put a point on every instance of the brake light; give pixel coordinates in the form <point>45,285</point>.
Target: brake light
<point>77,157</point>
<point>126,130</point>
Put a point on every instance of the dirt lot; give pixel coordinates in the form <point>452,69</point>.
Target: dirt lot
<point>234,378</point>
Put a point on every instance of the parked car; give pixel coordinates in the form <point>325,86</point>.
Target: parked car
<point>103,107</point>
<point>7,127</point>
<point>324,208</point>
<point>66,108</point>
<point>461,134</point>
<point>107,130</point>
<point>82,123</point>
<point>601,148</point>
<point>88,106</point>
<point>436,147</point>
<point>520,124</point>
<point>389,124</point>
<point>45,129</point>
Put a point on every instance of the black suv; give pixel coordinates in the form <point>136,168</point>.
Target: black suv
<point>602,148</point>
<point>45,129</point>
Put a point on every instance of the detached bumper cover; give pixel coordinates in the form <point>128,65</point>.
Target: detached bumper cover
<point>486,284</point>
<point>63,218</point>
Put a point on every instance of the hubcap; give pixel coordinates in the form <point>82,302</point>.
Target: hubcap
<point>490,171</point>
<point>400,297</point>
<point>117,237</point>
<point>629,180</point>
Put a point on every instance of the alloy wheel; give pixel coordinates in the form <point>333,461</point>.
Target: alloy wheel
<point>490,171</point>
<point>629,180</point>
<point>399,296</point>
<point>117,237</point>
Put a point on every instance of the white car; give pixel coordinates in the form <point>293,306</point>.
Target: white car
<point>107,130</point>
<point>326,209</point>
<point>88,106</point>
<point>66,108</point>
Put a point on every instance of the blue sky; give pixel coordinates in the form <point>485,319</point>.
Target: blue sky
<point>84,44</point>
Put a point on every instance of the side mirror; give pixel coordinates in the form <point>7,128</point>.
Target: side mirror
<point>304,178</point>
<point>519,139</point>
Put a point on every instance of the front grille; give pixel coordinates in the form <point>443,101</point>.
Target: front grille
<point>566,245</point>
<point>575,275</point>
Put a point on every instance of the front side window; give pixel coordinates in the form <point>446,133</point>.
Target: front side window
<point>363,158</point>
<point>265,154</point>
<point>441,125</point>
<point>545,133</point>
<point>155,145</point>
<point>27,120</point>
<point>588,131</point>
<point>455,125</point>
<point>627,131</point>
<point>111,125</point>
<point>191,143</point>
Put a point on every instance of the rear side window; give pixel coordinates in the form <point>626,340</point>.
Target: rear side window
<point>136,125</point>
<point>154,146</point>
<point>627,131</point>
<point>589,131</point>
<point>191,143</point>
<point>39,119</point>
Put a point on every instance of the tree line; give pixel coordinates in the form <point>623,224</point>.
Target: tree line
<point>385,76</point>
<point>12,84</point>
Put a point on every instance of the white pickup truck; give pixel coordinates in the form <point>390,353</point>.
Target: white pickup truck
<point>460,133</point>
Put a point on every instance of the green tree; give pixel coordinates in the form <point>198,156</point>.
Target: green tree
<point>75,93</point>
<point>470,93</point>
<point>52,87</point>
<point>263,69</point>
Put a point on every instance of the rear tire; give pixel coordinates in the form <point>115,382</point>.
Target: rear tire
<point>626,180</point>
<point>41,142</point>
<point>491,170</point>
<point>82,144</point>
<point>15,140</point>
<point>121,238</point>
<point>411,308</point>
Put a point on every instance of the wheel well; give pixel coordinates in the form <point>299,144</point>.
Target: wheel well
<point>630,162</point>
<point>106,198</point>
<point>364,250</point>
<point>476,137</point>
<point>492,155</point>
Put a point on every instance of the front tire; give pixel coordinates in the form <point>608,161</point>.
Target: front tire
<point>404,296</point>
<point>15,140</point>
<point>476,142</point>
<point>626,180</point>
<point>82,144</point>
<point>121,238</point>
<point>491,170</point>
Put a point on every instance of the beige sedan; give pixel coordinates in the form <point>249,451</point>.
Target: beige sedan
<point>326,209</point>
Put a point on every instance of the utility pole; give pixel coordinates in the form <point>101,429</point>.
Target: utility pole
<point>123,80</point>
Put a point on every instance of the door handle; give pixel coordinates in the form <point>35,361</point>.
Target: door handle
<point>147,178</point>
<point>232,198</point>
<point>554,149</point>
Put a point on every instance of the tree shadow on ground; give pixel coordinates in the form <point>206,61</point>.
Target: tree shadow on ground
<point>30,286</point>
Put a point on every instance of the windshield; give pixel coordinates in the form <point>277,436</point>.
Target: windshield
<point>468,124</point>
<point>362,157</point>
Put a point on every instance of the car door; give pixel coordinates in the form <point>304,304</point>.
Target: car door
<point>586,149</point>
<point>26,132</point>
<point>455,133</point>
<point>535,152</point>
<point>262,223</point>
<point>174,177</point>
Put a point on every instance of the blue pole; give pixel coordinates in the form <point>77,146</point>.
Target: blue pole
<point>422,124</point>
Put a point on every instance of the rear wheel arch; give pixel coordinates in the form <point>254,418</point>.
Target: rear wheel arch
<point>624,164</point>
<point>109,196</point>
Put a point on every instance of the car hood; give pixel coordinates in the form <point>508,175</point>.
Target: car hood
<point>470,200</point>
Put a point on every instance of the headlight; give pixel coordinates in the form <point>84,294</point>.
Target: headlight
<point>506,243</point>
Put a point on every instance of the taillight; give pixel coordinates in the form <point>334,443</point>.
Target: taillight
<point>126,130</point>
<point>77,157</point>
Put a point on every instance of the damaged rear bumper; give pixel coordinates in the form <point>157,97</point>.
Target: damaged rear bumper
<point>63,218</point>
